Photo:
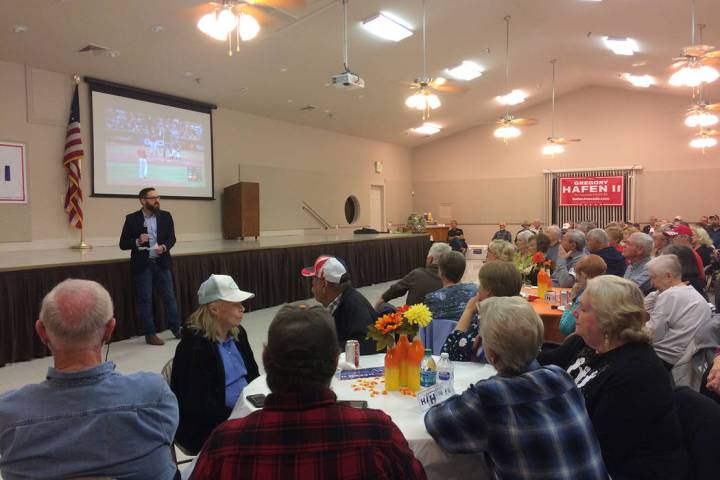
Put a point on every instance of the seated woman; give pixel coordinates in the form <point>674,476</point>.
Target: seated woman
<point>529,420</point>
<point>590,266</point>
<point>213,362</point>
<point>627,390</point>
<point>449,302</point>
<point>525,242</point>
<point>500,251</point>
<point>691,274</point>
<point>495,279</point>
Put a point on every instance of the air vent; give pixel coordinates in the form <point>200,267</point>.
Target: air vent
<point>307,108</point>
<point>95,49</point>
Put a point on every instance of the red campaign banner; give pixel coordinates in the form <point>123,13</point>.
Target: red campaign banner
<point>591,191</point>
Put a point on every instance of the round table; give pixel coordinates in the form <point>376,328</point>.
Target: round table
<point>407,415</point>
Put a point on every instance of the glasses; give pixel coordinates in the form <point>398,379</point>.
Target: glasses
<point>157,197</point>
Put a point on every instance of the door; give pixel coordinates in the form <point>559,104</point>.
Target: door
<point>377,207</point>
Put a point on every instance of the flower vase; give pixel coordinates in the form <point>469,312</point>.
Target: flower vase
<point>392,370</point>
<point>414,359</point>
<point>402,350</point>
<point>544,283</point>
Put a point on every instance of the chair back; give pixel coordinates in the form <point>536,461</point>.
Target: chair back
<point>434,335</point>
<point>700,421</point>
<point>166,371</point>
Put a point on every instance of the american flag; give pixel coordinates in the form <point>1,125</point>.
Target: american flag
<point>73,155</point>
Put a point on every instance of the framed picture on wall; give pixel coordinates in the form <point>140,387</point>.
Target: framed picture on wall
<point>13,173</point>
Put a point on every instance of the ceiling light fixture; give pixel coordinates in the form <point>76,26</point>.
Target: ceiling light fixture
<point>554,145</point>
<point>621,45</point>
<point>640,81</point>
<point>387,26</point>
<point>703,141</point>
<point>467,70</point>
<point>507,131</point>
<point>693,74</point>
<point>427,128</point>
<point>701,119</point>
<point>424,99</point>
<point>553,149</point>
<point>693,60</point>
<point>513,98</point>
<point>220,23</point>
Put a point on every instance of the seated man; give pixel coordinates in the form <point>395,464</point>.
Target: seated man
<point>418,282</point>
<point>352,312</point>
<point>86,420</point>
<point>529,420</point>
<point>449,302</point>
<point>637,251</point>
<point>502,234</point>
<point>302,431</point>
<point>598,243</point>
<point>573,244</point>
<point>456,238</point>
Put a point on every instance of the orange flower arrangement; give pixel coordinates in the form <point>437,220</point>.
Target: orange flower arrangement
<point>405,320</point>
<point>388,323</point>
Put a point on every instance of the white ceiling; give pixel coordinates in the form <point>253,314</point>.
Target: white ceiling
<point>290,63</point>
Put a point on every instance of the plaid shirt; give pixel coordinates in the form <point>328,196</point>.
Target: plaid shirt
<point>308,435</point>
<point>532,426</point>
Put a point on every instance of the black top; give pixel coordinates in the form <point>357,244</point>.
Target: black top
<point>616,264</point>
<point>352,318</point>
<point>455,232</point>
<point>133,227</point>
<point>630,401</point>
<point>198,381</point>
<point>502,235</point>
<point>705,253</point>
<point>416,284</point>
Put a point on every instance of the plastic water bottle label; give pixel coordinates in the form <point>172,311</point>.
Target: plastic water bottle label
<point>444,376</point>
<point>427,378</point>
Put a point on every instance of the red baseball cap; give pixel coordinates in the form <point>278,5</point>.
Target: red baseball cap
<point>681,230</point>
<point>329,268</point>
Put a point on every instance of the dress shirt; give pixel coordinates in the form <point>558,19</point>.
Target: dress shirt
<point>449,303</point>
<point>532,425</point>
<point>90,423</point>
<point>637,272</point>
<point>235,370</point>
<point>151,225</point>
<point>307,434</point>
<point>676,316</point>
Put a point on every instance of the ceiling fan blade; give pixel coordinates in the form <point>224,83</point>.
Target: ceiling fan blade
<point>697,50</point>
<point>713,54</point>
<point>713,106</point>
<point>449,87</point>
<point>524,122</point>
<point>565,141</point>
<point>284,4</point>
<point>711,133</point>
<point>678,62</point>
<point>263,17</point>
<point>710,60</point>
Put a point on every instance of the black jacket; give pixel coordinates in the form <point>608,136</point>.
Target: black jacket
<point>352,318</point>
<point>616,263</point>
<point>416,284</point>
<point>198,381</point>
<point>132,229</point>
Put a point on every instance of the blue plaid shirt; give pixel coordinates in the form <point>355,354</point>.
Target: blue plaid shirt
<point>531,426</point>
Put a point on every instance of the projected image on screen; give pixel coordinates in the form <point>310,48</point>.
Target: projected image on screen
<point>138,143</point>
<point>166,151</point>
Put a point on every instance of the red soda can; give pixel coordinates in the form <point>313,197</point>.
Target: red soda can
<point>352,352</point>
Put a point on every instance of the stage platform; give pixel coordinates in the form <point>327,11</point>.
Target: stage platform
<point>269,267</point>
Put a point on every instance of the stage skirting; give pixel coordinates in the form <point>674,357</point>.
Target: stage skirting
<point>273,274</point>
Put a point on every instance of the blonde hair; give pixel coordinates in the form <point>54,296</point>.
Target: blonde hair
<point>620,308</point>
<point>502,249</point>
<point>614,233</point>
<point>205,321</point>
<point>702,236</point>
<point>511,330</point>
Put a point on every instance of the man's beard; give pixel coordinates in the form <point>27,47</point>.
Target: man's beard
<point>152,207</point>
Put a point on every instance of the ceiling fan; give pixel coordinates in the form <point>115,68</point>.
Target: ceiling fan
<point>507,124</point>
<point>554,145</point>
<point>242,17</point>
<point>705,139</point>
<point>424,99</point>
<point>695,61</point>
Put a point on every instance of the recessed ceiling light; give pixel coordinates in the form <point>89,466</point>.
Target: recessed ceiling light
<point>387,26</point>
<point>157,28</point>
<point>642,81</point>
<point>467,70</point>
<point>621,45</point>
<point>427,128</point>
<point>20,28</point>
<point>512,98</point>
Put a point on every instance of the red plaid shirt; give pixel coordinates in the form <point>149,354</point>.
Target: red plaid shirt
<point>308,435</point>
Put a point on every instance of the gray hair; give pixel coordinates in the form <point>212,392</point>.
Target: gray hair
<point>502,249</point>
<point>644,240</point>
<point>437,250</point>
<point>557,231</point>
<point>664,264</point>
<point>525,236</point>
<point>586,226</point>
<point>599,235</point>
<point>619,307</point>
<point>512,330</point>
<point>577,237</point>
<point>76,311</point>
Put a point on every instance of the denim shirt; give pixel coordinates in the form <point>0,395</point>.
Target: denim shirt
<point>94,422</point>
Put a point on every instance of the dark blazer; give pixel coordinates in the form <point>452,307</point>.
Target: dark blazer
<point>198,381</point>
<point>352,318</point>
<point>132,229</point>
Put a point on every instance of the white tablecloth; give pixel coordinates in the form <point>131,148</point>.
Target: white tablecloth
<point>407,415</point>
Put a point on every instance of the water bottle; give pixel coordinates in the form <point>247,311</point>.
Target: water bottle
<point>428,370</point>
<point>445,369</point>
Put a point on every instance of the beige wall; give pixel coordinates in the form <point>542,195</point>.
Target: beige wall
<point>487,181</point>
<point>240,140</point>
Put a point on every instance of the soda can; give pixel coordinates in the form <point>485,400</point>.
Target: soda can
<point>551,298</point>
<point>352,352</point>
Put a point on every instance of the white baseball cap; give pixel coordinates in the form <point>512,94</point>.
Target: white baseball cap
<point>329,268</point>
<point>221,287</point>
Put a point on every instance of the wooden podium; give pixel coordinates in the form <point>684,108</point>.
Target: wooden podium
<point>241,210</point>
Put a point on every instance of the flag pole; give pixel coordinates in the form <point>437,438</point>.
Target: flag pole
<point>82,245</point>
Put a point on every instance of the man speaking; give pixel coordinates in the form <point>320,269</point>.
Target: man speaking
<point>149,234</point>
